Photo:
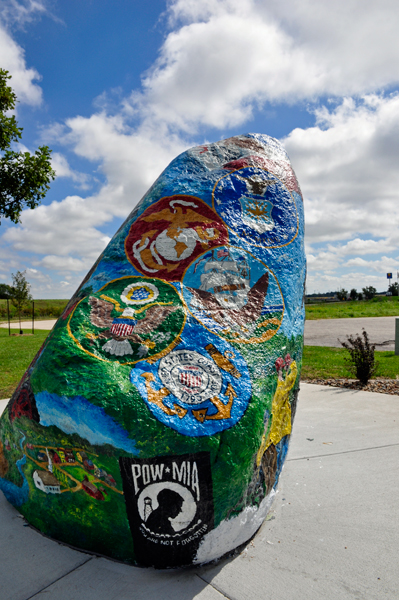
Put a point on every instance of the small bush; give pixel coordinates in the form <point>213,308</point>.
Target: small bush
<point>361,360</point>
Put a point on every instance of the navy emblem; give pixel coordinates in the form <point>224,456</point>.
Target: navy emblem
<point>234,295</point>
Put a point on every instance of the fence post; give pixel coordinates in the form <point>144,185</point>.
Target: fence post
<point>33,316</point>
<point>8,317</point>
<point>397,336</point>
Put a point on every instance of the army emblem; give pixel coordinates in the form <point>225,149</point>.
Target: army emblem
<point>196,392</point>
<point>257,206</point>
<point>170,234</point>
<point>234,295</point>
<point>128,319</point>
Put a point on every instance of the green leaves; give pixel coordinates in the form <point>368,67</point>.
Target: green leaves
<point>24,177</point>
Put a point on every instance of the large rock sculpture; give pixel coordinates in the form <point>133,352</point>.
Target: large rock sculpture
<point>153,424</point>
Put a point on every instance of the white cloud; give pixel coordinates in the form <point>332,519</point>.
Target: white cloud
<point>13,60</point>
<point>220,61</point>
<point>362,247</point>
<point>225,57</point>
<point>61,166</point>
<point>334,281</point>
<point>20,13</point>
<point>347,166</point>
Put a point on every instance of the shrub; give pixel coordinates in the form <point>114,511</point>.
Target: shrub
<point>361,360</point>
<point>342,294</point>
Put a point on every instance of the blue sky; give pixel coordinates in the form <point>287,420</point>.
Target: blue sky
<point>118,88</point>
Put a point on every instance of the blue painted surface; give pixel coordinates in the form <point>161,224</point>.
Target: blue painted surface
<point>196,339</point>
<point>16,495</point>
<point>78,415</point>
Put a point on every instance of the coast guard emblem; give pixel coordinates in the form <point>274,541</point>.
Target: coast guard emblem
<point>196,392</point>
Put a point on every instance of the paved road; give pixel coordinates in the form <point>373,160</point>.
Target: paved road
<point>381,331</point>
<point>324,332</point>
<point>333,535</point>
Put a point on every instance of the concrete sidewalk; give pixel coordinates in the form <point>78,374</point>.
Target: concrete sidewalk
<point>333,534</point>
<point>27,325</point>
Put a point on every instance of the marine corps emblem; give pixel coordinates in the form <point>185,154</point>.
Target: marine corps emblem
<point>170,234</point>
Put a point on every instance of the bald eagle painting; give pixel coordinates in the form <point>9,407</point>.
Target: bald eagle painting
<point>120,331</point>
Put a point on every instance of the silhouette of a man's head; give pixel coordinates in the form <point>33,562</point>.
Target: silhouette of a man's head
<point>170,502</point>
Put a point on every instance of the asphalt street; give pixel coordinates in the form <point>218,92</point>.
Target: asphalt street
<point>328,332</point>
<point>323,332</point>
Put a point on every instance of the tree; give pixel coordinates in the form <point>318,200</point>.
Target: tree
<point>360,296</point>
<point>353,294</point>
<point>5,291</point>
<point>342,294</point>
<point>20,293</point>
<point>24,177</point>
<point>369,292</point>
<point>394,289</point>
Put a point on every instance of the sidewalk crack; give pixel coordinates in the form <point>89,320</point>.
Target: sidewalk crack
<point>59,578</point>
<point>343,452</point>
<point>214,587</point>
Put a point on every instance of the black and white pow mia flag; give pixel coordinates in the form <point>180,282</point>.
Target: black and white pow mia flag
<point>169,504</point>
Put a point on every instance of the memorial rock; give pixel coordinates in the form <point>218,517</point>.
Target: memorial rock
<point>153,424</point>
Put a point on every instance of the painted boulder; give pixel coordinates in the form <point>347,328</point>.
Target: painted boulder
<point>153,425</point>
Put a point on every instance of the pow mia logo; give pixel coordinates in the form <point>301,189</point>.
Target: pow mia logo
<point>196,392</point>
<point>190,376</point>
<point>169,503</point>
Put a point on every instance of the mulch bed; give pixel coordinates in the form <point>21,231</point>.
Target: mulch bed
<point>382,386</point>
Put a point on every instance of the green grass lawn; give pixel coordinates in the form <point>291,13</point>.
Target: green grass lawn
<point>320,362</point>
<point>380,306</point>
<point>16,353</point>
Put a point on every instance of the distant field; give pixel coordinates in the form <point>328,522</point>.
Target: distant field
<point>44,309</point>
<point>380,306</point>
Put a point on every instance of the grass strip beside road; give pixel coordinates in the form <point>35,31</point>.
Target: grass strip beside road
<point>380,306</point>
<point>320,362</point>
<point>16,353</point>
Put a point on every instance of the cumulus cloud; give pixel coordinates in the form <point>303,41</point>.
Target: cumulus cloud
<point>347,166</point>
<point>222,60</point>
<point>23,78</point>
<point>225,57</point>
<point>62,169</point>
